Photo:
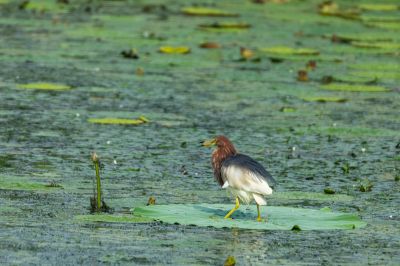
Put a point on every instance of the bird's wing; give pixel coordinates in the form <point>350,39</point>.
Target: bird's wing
<point>243,172</point>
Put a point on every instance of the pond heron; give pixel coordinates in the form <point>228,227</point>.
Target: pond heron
<point>244,177</point>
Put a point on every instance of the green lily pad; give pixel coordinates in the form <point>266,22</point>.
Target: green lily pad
<point>378,7</point>
<point>354,87</point>
<point>288,109</point>
<point>21,183</point>
<point>377,75</point>
<point>118,121</point>
<point>44,86</point>
<point>389,25</point>
<point>226,25</point>
<point>200,11</point>
<point>325,99</point>
<point>279,218</point>
<point>376,66</point>
<point>377,18</point>
<point>283,50</point>
<point>362,37</point>
<point>112,218</point>
<point>355,79</point>
<point>45,6</point>
<point>380,45</point>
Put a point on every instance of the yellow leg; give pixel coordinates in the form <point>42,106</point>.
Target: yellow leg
<point>258,211</point>
<point>234,209</point>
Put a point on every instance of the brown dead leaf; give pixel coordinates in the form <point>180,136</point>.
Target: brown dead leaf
<point>302,75</point>
<point>311,65</point>
<point>209,45</point>
<point>226,25</point>
<point>130,53</point>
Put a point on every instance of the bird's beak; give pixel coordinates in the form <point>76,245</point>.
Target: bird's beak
<point>209,143</point>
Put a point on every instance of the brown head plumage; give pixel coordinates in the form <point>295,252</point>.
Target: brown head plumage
<point>224,149</point>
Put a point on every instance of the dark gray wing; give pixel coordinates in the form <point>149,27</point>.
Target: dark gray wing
<point>244,161</point>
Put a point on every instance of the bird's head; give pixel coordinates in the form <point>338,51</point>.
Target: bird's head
<point>222,143</point>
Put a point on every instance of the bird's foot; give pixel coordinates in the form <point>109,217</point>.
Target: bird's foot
<point>259,219</point>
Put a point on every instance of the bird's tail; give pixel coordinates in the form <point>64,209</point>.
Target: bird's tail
<point>259,199</point>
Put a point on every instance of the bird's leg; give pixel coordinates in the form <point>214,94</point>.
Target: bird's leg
<point>234,209</point>
<point>258,212</point>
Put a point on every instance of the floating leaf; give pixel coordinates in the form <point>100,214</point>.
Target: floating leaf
<point>282,50</point>
<point>288,109</point>
<point>118,121</point>
<point>354,87</point>
<point>44,86</point>
<point>200,11</point>
<point>20,183</point>
<point>311,65</point>
<point>365,185</point>
<point>139,71</point>
<point>278,218</point>
<point>174,50</point>
<point>326,209</point>
<point>378,7</point>
<point>329,191</point>
<point>302,75</point>
<point>226,25</point>
<point>296,228</point>
<point>330,8</point>
<point>354,79</point>
<point>246,53</point>
<point>324,99</point>
<point>112,218</point>
<point>130,53</point>
<point>377,66</point>
<point>380,45</point>
<point>389,25</point>
<point>377,18</point>
<point>144,119</point>
<point>230,261</point>
<point>377,75</point>
<point>364,37</point>
<point>210,45</point>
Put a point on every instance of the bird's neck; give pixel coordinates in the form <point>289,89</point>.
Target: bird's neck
<point>218,157</point>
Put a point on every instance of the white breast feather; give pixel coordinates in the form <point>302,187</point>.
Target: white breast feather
<point>245,184</point>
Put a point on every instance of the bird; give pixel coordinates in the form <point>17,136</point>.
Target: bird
<point>244,177</point>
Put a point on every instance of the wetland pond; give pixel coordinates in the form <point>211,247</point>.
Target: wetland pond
<point>308,88</point>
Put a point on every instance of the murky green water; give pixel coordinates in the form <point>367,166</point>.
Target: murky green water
<point>45,136</point>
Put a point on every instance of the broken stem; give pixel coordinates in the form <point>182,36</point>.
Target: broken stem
<point>97,167</point>
<point>96,164</point>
